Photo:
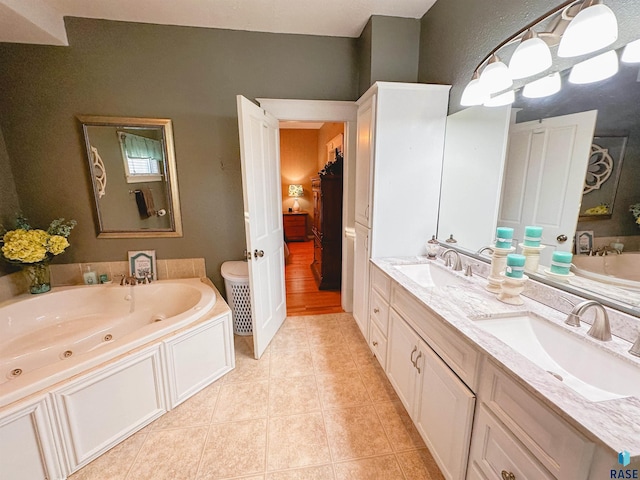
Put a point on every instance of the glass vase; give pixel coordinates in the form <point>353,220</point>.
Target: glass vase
<point>39,277</point>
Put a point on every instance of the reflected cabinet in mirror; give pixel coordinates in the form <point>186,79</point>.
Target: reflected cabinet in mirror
<point>569,163</point>
<point>133,172</point>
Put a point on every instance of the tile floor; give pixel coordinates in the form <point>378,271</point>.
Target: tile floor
<point>316,406</point>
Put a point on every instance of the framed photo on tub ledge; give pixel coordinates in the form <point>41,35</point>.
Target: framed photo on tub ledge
<point>142,264</point>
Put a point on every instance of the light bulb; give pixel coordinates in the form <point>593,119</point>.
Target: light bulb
<point>495,77</point>
<point>530,58</point>
<point>473,93</point>
<point>595,69</point>
<point>543,87</point>
<point>631,53</point>
<point>592,29</point>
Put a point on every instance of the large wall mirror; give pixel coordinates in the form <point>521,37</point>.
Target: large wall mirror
<point>133,172</point>
<point>609,115</point>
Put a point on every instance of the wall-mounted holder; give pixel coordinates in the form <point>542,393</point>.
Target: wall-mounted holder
<point>498,264</point>
<point>532,257</point>
<point>511,288</point>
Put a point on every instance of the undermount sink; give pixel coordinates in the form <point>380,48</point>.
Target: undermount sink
<point>428,275</point>
<point>582,366</point>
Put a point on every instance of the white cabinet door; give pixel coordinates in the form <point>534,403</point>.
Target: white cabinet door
<point>364,160</point>
<point>403,349</point>
<point>444,413</point>
<point>361,279</point>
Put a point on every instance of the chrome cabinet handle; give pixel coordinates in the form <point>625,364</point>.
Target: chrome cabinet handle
<point>258,253</point>
<point>415,349</point>
<point>376,310</point>
<point>508,475</point>
<point>416,363</point>
<point>375,344</point>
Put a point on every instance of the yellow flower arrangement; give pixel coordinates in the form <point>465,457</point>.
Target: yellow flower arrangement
<point>635,211</point>
<point>28,245</point>
<point>602,209</point>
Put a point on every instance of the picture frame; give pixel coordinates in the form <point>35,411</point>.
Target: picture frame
<point>584,241</point>
<point>142,263</point>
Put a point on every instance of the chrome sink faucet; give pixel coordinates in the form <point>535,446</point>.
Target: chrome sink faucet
<point>457,264</point>
<point>485,249</point>
<point>601,329</point>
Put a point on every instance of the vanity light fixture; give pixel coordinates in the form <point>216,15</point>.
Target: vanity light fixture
<point>559,26</point>
<point>543,87</point>
<point>595,69</point>
<point>593,28</point>
<point>631,53</point>
<point>495,77</point>
<point>296,191</point>
<point>473,93</point>
<point>506,98</point>
<point>531,57</point>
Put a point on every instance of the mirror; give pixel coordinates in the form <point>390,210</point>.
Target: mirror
<point>133,172</point>
<point>617,129</point>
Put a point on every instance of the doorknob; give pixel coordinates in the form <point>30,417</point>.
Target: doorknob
<point>258,253</point>
<point>561,238</point>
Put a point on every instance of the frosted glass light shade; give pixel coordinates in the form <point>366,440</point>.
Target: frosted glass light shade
<point>592,29</point>
<point>631,53</point>
<point>543,87</point>
<point>595,69</point>
<point>495,77</point>
<point>506,98</point>
<point>531,57</point>
<point>473,94</point>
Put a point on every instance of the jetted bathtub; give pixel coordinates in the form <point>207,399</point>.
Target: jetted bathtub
<point>49,337</point>
<point>620,270</point>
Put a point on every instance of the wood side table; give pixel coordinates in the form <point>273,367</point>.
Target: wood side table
<point>295,226</point>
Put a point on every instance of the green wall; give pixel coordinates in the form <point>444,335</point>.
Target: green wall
<point>191,75</point>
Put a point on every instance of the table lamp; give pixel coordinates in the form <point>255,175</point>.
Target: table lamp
<point>296,191</point>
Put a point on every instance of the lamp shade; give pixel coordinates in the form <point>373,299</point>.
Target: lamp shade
<point>473,93</point>
<point>531,57</point>
<point>543,87</point>
<point>295,191</point>
<point>595,69</point>
<point>495,77</point>
<point>592,29</point>
<point>506,98</point>
<point>631,53</point>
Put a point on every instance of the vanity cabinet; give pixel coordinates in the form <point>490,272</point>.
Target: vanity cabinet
<point>400,143</point>
<point>439,403</point>
<point>379,314</point>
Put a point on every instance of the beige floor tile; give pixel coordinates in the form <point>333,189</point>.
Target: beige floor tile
<point>376,468</point>
<point>291,363</point>
<point>170,455</point>
<point>322,472</point>
<point>195,411</point>
<point>361,353</point>
<point>322,322</point>
<point>248,369</point>
<point>293,395</point>
<point>289,339</point>
<point>399,427</point>
<point>342,389</point>
<point>377,383</point>
<point>234,449</point>
<point>355,433</point>
<point>325,336</point>
<point>419,465</point>
<point>241,401</point>
<point>332,358</point>
<point>297,441</point>
<point>114,464</point>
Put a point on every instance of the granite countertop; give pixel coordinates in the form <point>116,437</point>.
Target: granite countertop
<point>613,423</point>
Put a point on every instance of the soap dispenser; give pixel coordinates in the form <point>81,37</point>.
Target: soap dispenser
<point>432,248</point>
<point>89,276</point>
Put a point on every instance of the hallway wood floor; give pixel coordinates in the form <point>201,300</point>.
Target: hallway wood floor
<point>303,296</point>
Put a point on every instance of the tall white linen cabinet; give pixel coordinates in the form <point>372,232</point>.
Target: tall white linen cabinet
<point>401,128</point>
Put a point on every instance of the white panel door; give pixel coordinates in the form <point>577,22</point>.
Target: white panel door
<point>544,177</point>
<point>260,161</point>
<point>444,414</point>
<point>364,160</point>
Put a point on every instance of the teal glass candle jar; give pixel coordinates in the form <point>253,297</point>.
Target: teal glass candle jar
<point>515,265</point>
<point>561,263</point>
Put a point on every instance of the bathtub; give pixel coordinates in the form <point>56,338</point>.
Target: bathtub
<point>47,338</point>
<point>619,270</point>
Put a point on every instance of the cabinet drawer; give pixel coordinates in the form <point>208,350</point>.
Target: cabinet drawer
<point>378,345</point>
<point>379,312</point>
<point>557,445</point>
<point>461,357</point>
<point>381,282</point>
<point>495,450</point>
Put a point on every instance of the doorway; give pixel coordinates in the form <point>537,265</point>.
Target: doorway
<point>327,111</point>
<point>312,215</point>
